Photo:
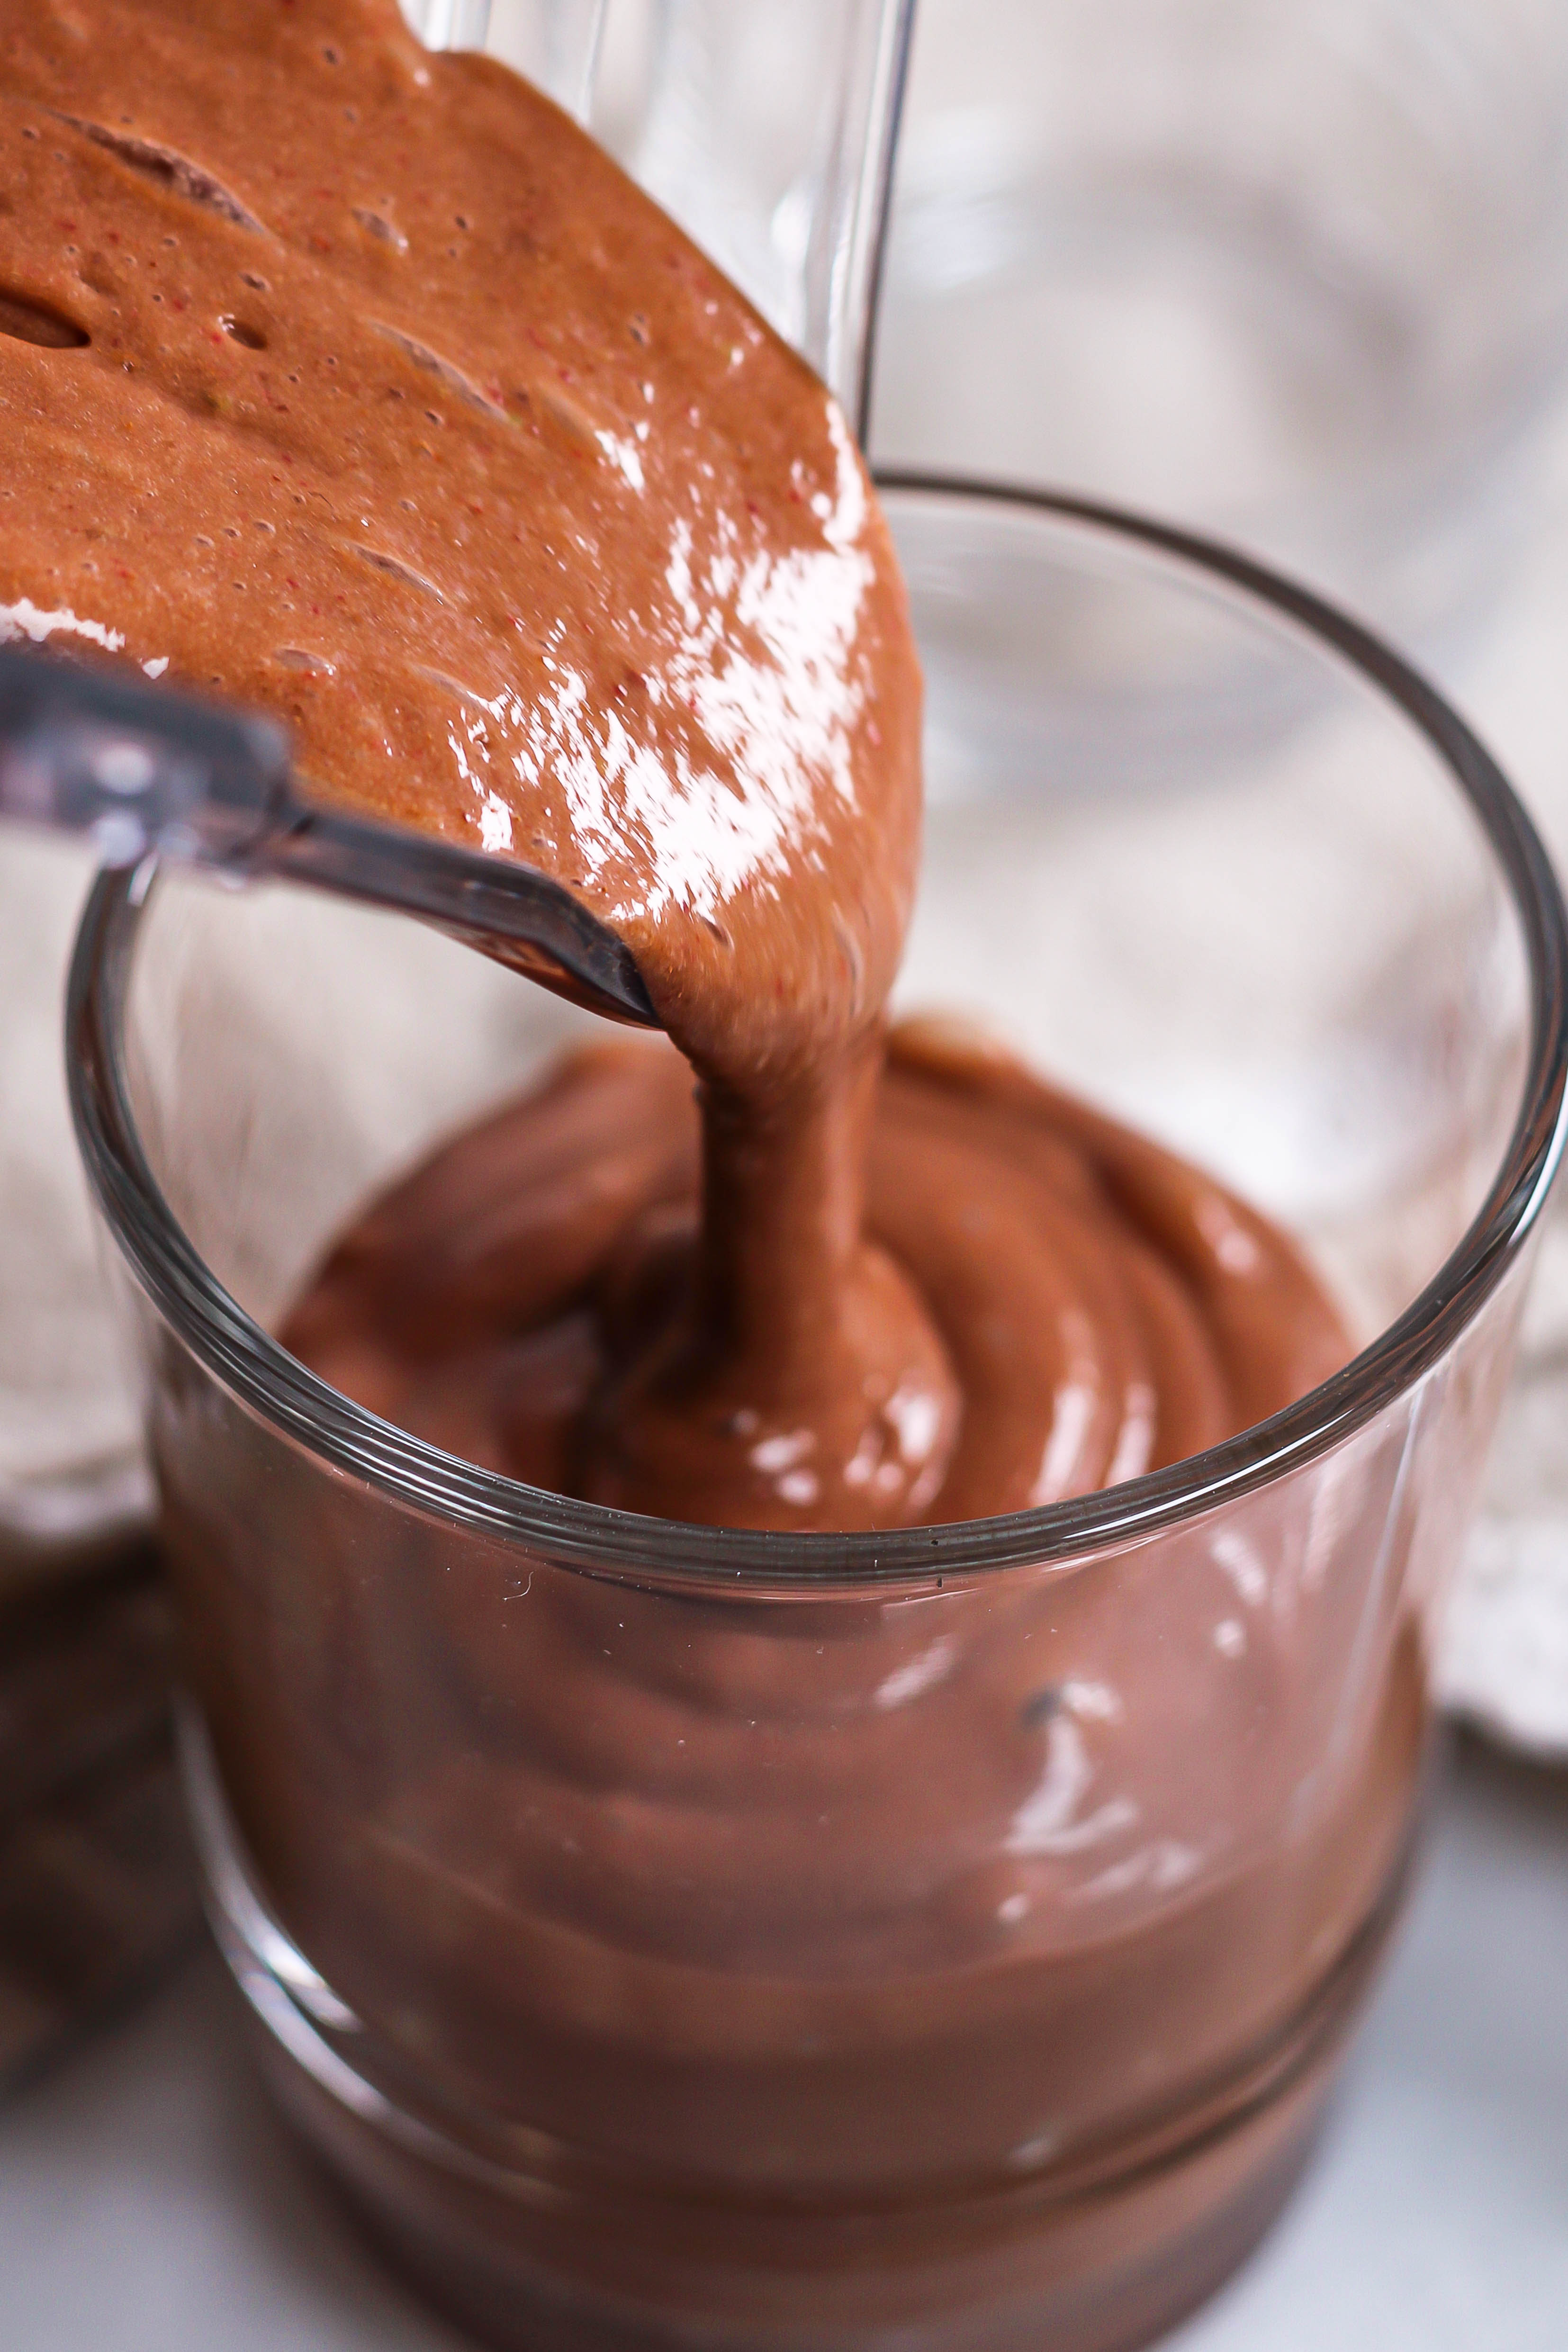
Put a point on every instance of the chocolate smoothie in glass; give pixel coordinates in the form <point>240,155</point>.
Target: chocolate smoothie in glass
<point>357,385</point>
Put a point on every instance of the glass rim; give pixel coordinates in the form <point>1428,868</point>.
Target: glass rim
<point>350,1440</point>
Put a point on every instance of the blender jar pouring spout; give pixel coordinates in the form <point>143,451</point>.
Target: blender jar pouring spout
<point>145,774</point>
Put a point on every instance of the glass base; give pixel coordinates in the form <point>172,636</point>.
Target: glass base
<point>506,2235</point>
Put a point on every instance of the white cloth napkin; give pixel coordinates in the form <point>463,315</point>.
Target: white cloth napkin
<point>1505,1663</point>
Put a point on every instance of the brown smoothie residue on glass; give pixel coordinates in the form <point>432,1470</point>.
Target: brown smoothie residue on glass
<point>358,385</point>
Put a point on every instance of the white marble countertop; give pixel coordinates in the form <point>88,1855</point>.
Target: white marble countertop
<point>149,2203</point>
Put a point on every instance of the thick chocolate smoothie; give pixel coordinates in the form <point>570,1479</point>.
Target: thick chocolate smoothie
<point>358,385</point>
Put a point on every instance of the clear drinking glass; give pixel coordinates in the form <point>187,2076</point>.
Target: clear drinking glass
<point>674,1937</point>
